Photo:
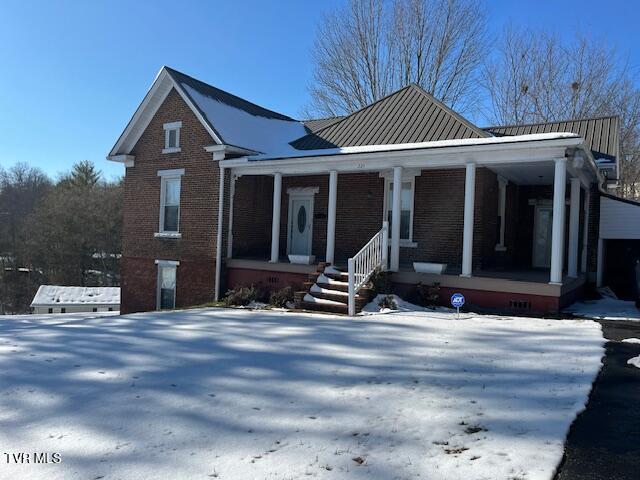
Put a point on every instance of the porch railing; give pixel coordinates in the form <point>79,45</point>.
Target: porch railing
<point>370,257</point>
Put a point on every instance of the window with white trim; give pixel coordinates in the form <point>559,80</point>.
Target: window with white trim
<point>166,294</point>
<point>170,202</point>
<point>172,137</point>
<point>406,208</point>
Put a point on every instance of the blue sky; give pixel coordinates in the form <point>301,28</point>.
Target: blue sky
<point>73,72</point>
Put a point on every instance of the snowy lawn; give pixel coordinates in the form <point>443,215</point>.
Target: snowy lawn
<point>239,394</point>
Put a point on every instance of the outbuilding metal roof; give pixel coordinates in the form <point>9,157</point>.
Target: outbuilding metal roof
<point>409,115</point>
<point>56,295</point>
<point>601,134</point>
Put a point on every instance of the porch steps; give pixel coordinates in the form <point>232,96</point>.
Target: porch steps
<point>328,292</point>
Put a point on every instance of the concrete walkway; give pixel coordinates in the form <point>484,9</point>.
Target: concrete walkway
<point>604,441</point>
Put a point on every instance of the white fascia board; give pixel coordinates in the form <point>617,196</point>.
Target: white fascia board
<point>168,263</point>
<point>443,157</point>
<point>143,113</point>
<point>220,151</point>
<point>127,160</point>
<point>148,108</point>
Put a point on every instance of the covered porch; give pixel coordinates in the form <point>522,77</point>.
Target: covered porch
<point>508,222</point>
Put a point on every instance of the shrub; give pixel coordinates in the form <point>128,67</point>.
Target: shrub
<point>388,302</point>
<point>425,295</point>
<point>281,297</point>
<point>242,296</point>
<point>380,281</point>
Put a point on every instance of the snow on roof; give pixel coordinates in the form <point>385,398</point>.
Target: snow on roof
<point>57,295</point>
<point>241,128</point>
<point>414,146</point>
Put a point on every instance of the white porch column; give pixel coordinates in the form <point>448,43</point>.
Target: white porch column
<point>216,291</point>
<point>574,226</point>
<point>585,230</point>
<point>395,219</point>
<point>331,216</point>
<point>557,233</point>
<point>275,225</point>
<point>469,205</point>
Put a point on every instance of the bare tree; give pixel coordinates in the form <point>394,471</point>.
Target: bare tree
<point>371,48</point>
<point>535,77</point>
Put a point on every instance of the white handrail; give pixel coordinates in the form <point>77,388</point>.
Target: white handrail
<point>370,257</point>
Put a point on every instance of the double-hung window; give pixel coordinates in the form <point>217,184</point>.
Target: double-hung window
<point>406,209</point>
<point>170,181</point>
<point>166,294</point>
<point>172,137</point>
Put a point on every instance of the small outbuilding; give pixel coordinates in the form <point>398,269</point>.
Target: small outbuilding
<point>59,299</point>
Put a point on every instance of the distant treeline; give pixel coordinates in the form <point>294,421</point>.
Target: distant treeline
<point>63,232</point>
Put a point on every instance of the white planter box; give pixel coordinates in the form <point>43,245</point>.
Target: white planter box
<point>302,259</point>
<point>426,267</point>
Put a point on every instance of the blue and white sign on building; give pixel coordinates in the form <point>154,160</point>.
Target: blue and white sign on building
<point>457,300</point>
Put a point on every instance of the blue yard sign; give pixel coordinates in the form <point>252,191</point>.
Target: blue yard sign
<point>457,300</point>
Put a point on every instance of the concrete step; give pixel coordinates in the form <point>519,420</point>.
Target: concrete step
<point>337,297</point>
<point>331,286</point>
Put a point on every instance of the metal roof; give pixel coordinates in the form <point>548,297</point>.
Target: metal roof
<point>225,97</point>
<point>409,115</point>
<point>601,134</point>
<point>315,124</point>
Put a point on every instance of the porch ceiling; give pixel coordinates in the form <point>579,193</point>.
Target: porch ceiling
<point>539,173</point>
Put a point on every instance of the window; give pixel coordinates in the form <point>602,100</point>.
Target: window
<point>51,310</point>
<point>172,137</point>
<point>500,224</point>
<point>170,203</point>
<point>63,310</point>
<point>406,209</point>
<point>166,284</point>
<point>95,309</point>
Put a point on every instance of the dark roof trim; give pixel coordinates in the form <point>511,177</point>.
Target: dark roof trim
<point>620,199</point>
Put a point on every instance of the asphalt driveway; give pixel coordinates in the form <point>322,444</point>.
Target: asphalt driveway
<point>604,441</point>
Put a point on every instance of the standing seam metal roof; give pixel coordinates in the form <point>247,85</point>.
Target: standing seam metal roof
<point>601,134</point>
<point>409,115</point>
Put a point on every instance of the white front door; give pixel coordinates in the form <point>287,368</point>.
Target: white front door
<point>542,236</point>
<point>300,222</point>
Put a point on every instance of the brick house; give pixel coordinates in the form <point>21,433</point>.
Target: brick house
<point>220,192</point>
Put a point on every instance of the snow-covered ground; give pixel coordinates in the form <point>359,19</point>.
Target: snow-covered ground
<point>240,394</point>
<point>606,309</point>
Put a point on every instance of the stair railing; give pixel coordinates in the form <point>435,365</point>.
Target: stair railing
<point>370,257</point>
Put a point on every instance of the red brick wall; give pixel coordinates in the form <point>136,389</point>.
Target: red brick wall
<point>252,215</point>
<point>359,212</point>
<point>267,281</point>
<point>198,212</point>
<point>438,215</point>
<point>485,218</point>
